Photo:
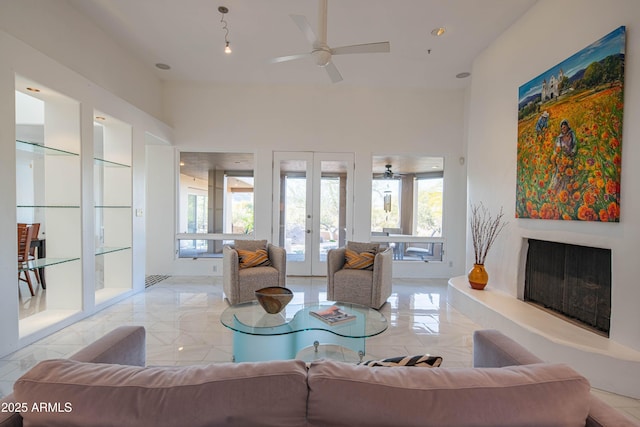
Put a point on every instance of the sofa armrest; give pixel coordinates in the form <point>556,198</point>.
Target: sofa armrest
<point>278,258</point>
<point>124,345</point>
<point>230,266</point>
<point>9,418</point>
<point>382,276</point>
<point>335,262</point>
<point>493,349</point>
<point>603,415</point>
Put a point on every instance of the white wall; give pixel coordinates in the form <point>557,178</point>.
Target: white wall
<point>546,35</point>
<point>160,209</point>
<point>18,58</point>
<point>264,119</point>
<point>60,31</point>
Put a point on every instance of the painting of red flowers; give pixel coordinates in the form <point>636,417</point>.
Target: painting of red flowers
<point>570,136</point>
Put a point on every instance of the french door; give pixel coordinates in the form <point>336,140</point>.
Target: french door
<point>313,205</point>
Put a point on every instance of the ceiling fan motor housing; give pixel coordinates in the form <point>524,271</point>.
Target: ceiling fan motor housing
<point>322,55</point>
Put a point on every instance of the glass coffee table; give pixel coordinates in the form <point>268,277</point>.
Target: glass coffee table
<point>259,336</point>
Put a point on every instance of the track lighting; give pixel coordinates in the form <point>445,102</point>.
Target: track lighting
<point>224,10</point>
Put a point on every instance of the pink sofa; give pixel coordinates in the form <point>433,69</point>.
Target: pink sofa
<point>106,384</point>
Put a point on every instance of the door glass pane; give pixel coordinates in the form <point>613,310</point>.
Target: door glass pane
<point>293,211</point>
<point>332,207</point>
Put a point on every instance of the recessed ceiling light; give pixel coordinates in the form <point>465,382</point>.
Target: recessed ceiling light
<point>438,31</point>
<point>162,66</point>
<point>101,118</point>
<point>33,89</point>
<point>463,75</point>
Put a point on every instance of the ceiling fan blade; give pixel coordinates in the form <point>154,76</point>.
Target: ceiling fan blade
<point>304,26</point>
<point>382,47</point>
<point>289,57</point>
<point>333,72</point>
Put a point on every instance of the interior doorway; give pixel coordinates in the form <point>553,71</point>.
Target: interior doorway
<point>313,205</point>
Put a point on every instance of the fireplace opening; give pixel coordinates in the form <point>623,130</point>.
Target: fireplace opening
<point>571,281</point>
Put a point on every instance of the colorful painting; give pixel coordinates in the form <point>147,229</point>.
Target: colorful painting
<point>570,136</point>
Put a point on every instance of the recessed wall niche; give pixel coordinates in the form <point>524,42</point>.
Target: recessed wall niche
<point>112,205</point>
<point>48,197</point>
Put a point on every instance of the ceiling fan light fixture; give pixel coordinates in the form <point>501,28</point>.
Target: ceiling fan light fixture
<point>388,173</point>
<point>322,57</point>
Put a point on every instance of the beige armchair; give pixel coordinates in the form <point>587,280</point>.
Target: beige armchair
<point>365,287</point>
<point>239,284</point>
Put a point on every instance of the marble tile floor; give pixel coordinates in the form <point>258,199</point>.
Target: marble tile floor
<point>181,316</point>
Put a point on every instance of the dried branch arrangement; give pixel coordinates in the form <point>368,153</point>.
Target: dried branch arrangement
<point>484,230</point>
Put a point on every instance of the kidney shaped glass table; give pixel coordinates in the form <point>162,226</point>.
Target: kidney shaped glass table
<point>259,336</point>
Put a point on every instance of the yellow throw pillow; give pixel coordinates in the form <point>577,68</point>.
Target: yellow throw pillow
<point>358,261</point>
<point>248,259</point>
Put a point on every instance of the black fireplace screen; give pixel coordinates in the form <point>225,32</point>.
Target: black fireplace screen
<point>572,280</point>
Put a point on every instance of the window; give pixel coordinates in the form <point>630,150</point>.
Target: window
<point>216,200</point>
<point>385,204</point>
<point>428,205</point>
<point>406,206</point>
<point>197,213</point>
<point>238,212</point>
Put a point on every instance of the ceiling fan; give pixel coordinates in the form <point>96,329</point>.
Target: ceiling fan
<point>388,174</point>
<point>321,52</point>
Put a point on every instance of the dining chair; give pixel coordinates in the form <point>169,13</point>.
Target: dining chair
<point>25,235</point>
<point>32,248</point>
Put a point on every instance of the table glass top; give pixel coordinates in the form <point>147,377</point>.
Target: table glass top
<point>251,318</point>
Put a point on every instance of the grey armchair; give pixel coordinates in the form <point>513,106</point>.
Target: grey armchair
<point>240,284</point>
<point>365,287</point>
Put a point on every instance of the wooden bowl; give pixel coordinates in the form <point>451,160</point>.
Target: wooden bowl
<point>274,298</point>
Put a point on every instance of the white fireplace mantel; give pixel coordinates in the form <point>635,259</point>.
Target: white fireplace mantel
<point>607,364</point>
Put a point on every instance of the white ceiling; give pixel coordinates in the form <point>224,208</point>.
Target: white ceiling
<point>188,35</point>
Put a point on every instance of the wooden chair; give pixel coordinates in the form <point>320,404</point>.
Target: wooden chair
<point>25,235</point>
<point>32,249</point>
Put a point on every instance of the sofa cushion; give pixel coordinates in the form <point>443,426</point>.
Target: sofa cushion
<point>533,395</point>
<point>358,261</point>
<point>92,394</point>
<point>248,259</point>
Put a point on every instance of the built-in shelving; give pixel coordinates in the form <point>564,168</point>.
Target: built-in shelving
<point>41,150</point>
<point>107,250</point>
<point>44,262</point>
<point>48,193</point>
<point>112,207</point>
<point>107,163</point>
